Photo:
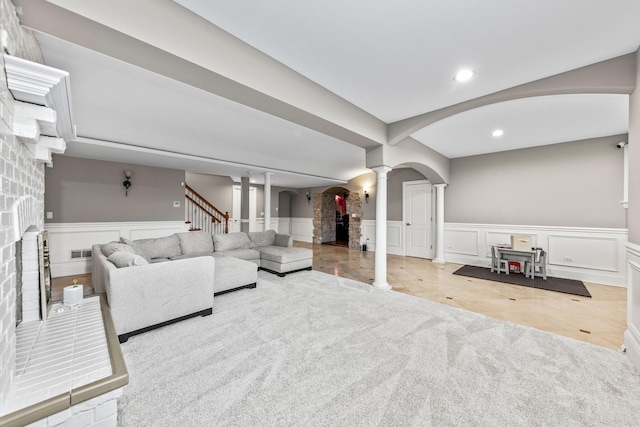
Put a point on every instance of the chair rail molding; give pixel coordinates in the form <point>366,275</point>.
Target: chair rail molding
<point>65,239</point>
<point>595,255</point>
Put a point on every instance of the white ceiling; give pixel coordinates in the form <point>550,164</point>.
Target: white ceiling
<point>397,59</point>
<point>538,121</point>
<point>393,60</point>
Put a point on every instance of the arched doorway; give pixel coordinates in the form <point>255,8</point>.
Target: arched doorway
<point>337,216</point>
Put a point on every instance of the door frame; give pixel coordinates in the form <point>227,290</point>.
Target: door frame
<point>432,230</point>
<point>253,194</point>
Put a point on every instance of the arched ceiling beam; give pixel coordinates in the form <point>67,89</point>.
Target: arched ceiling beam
<point>615,75</point>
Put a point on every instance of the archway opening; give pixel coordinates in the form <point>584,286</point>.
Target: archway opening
<point>337,213</point>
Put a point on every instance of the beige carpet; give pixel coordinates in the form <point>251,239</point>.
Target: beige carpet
<point>312,349</point>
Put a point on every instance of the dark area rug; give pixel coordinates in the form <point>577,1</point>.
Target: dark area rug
<point>567,286</point>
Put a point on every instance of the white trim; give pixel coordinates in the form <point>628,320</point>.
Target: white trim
<point>431,213</point>
<point>64,237</point>
<point>633,249</point>
<point>302,229</point>
<point>396,244</point>
<point>42,85</point>
<point>595,255</point>
<point>510,227</point>
<point>632,334</point>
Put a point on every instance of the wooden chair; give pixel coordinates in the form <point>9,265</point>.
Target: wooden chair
<point>498,265</point>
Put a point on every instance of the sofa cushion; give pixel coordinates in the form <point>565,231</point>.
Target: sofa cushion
<point>262,238</point>
<point>195,242</point>
<point>162,247</point>
<point>246,254</point>
<point>284,255</point>
<point>112,247</point>
<point>126,259</point>
<point>226,242</point>
<point>192,255</point>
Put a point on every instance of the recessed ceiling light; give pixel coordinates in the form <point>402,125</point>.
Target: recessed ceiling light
<point>464,75</point>
<point>497,133</point>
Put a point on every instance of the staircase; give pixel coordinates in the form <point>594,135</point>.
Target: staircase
<point>202,215</point>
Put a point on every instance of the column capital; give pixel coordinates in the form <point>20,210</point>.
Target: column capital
<point>268,174</point>
<point>440,186</point>
<point>382,169</point>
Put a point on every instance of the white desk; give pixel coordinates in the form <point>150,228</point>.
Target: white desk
<point>506,253</point>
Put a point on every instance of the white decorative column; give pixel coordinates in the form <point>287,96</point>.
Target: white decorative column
<point>267,200</point>
<point>380,278</point>
<point>439,255</point>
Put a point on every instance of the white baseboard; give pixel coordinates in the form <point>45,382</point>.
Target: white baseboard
<point>63,238</point>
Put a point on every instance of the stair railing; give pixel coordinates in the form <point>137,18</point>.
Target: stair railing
<point>202,215</point>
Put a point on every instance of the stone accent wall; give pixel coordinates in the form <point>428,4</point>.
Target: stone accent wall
<point>328,218</point>
<point>324,218</point>
<point>317,219</point>
<point>354,206</point>
<point>20,175</point>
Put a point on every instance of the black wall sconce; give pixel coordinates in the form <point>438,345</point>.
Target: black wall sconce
<point>308,198</point>
<point>366,196</point>
<point>127,182</point>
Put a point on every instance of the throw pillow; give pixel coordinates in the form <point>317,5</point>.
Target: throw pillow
<point>125,259</point>
<point>162,247</point>
<point>262,238</point>
<point>112,247</point>
<point>136,248</point>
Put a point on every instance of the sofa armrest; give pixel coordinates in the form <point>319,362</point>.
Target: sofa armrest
<point>150,294</point>
<point>284,240</point>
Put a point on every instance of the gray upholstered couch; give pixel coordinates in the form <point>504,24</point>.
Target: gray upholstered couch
<point>154,282</point>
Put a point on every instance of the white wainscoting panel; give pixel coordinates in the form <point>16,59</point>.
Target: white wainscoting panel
<point>584,252</point>
<point>63,238</point>
<point>463,242</point>
<point>274,224</point>
<point>395,236</point>
<point>302,229</point>
<point>284,225</point>
<point>632,334</point>
<point>590,254</point>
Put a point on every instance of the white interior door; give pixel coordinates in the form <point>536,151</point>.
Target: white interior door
<point>237,208</point>
<point>417,218</point>
<point>253,223</point>
<point>234,225</point>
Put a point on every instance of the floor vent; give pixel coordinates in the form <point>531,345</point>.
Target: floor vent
<point>80,253</point>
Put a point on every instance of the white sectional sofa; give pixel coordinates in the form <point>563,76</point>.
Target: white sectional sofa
<point>153,282</point>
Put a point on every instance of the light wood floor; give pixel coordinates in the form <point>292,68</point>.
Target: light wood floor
<point>598,320</point>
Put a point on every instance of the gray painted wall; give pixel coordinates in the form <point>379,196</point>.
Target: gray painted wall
<point>83,190</point>
<point>572,184</point>
<point>301,209</point>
